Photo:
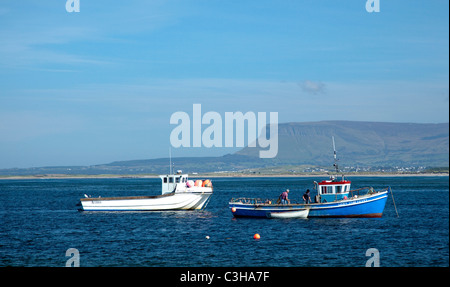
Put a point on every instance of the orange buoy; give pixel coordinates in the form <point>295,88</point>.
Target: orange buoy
<point>233,209</point>
<point>256,236</point>
<point>206,183</point>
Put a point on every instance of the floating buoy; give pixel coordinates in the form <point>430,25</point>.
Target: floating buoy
<point>233,209</point>
<point>256,236</point>
<point>207,237</point>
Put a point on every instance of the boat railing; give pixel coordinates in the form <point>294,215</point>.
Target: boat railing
<point>246,200</point>
<point>259,201</point>
<point>365,191</point>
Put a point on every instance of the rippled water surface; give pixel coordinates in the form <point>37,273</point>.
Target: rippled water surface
<point>40,222</point>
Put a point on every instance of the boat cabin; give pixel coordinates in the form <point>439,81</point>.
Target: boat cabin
<point>169,182</point>
<point>333,189</point>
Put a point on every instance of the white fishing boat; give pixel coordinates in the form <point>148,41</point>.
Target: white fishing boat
<point>178,193</point>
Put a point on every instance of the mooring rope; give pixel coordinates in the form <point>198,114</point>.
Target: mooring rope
<point>393,200</point>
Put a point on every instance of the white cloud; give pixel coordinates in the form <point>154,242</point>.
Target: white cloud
<point>313,88</point>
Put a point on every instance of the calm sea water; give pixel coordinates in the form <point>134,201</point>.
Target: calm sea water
<point>39,222</point>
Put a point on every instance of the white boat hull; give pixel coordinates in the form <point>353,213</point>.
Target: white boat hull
<point>289,214</point>
<point>171,201</point>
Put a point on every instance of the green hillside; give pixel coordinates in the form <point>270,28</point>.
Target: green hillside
<point>301,145</point>
<point>362,143</point>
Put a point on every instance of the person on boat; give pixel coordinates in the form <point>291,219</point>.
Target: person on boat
<point>306,197</point>
<point>284,197</point>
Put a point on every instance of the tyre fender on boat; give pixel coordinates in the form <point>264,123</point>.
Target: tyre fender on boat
<point>317,198</point>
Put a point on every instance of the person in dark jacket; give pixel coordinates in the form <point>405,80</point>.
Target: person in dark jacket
<point>306,197</point>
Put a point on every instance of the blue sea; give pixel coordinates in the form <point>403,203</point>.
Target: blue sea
<point>40,222</point>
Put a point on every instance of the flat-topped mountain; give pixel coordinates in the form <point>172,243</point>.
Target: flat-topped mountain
<point>362,144</point>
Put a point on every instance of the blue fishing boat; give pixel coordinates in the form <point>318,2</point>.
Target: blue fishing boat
<point>334,198</point>
<point>363,202</point>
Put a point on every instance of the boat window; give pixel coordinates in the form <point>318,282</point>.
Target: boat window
<point>338,189</point>
<point>165,179</point>
<point>170,179</point>
<point>327,189</point>
<point>177,179</point>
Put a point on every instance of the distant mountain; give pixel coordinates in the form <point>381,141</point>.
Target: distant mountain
<point>361,143</point>
<point>148,166</point>
<point>308,143</point>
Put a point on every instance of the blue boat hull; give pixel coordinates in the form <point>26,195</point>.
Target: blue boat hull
<point>365,206</point>
<point>371,206</point>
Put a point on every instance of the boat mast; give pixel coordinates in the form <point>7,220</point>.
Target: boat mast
<point>170,160</point>
<point>335,158</point>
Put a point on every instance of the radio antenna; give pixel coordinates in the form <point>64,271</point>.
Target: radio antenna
<point>170,160</point>
<point>335,158</point>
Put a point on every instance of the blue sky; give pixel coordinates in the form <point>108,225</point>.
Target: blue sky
<point>100,85</point>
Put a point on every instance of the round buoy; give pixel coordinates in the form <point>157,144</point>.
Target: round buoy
<point>206,183</point>
<point>233,209</point>
<point>207,237</point>
<point>256,236</point>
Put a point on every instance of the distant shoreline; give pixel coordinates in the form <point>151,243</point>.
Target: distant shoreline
<point>213,175</point>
